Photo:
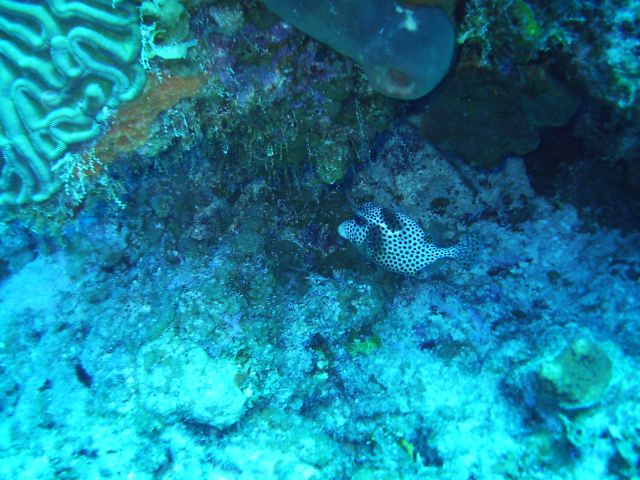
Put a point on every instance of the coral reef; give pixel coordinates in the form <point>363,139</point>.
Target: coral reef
<point>65,66</point>
<point>231,334</point>
<point>185,307</point>
<point>598,45</point>
<point>484,118</point>
<point>165,30</point>
<point>586,48</point>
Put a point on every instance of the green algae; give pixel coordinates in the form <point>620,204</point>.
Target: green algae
<point>576,378</point>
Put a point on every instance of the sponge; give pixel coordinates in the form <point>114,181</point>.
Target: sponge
<point>404,52</point>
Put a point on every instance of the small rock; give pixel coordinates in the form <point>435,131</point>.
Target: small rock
<point>179,381</point>
<point>576,378</point>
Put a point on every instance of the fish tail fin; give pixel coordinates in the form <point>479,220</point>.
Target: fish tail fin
<point>468,248</point>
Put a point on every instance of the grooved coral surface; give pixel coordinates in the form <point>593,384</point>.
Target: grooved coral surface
<point>64,66</point>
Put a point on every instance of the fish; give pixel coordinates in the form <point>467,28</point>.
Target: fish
<point>397,243</point>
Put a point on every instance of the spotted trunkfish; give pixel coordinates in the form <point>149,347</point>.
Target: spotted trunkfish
<point>397,243</point>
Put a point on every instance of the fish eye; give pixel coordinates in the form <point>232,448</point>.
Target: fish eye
<point>361,222</point>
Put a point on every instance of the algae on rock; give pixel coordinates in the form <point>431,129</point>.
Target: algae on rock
<point>577,378</point>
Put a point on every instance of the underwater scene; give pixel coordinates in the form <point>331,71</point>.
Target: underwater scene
<point>309,240</point>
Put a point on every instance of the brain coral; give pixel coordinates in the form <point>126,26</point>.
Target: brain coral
<point>64,66</point>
